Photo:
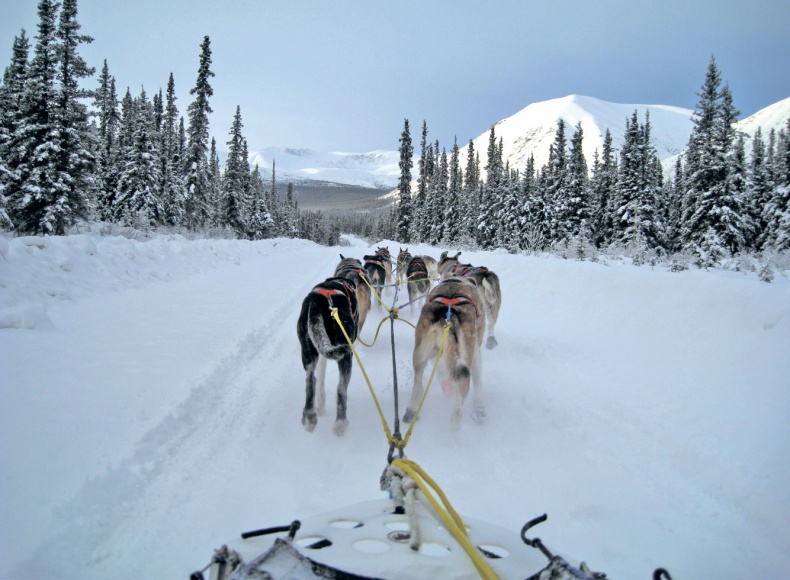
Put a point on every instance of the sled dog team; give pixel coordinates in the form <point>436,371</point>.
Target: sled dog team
<point>334,312</point>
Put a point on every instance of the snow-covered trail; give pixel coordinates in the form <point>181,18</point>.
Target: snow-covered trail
<point>644,411</point>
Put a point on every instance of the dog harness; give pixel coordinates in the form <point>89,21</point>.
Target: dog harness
<point>466,271</point>
<point>450,302</point>
<point>329,292</point>
<point>416,266</point>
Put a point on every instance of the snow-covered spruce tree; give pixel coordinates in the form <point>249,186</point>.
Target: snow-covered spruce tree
<point>196,161</point>
<point>577,210</point>
<point>404,184</point>
<point>437,198</point>
<point>555,179</point>
<point>769,210</point>
<point>214,188</point>
<point>173,189</point>
<point>417,226</point>
<point>38,142</point>
<point>509,232</point>
<point>711,224</point>
<point>780,203</point>
<point>490,200</point>
<point>470,192</point>
<point>531,234</point>
<point>674,208</point>
<point>105,103</point>
<point>452,206</point>
<point>137,201</point>
<point>235,182</point>
<point>11,128</point>
<point>634,223</point>
<point>602,184</point>
<point>758,183</point>
<point>259,220</point>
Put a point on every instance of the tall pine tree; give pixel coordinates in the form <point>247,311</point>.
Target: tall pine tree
<point>196,162</point>
<point>404,184</point>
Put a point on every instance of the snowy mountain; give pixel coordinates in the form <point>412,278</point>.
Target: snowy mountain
<point>532,130</point>
<point>374,169</point>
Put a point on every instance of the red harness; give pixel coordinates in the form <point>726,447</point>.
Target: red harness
<point>450,302</point>
<point>466,271</point>
<point>329,292</point>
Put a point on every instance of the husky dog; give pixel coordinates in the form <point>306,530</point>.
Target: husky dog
<point>456,300</point>
<point>400,269</point>
<point>417,280</point>
<point>321,338</point>
<point>487,283</point>
<point>377,273</point>
<point>403,261</point>
<point>351,269</point>
<point>386,261</point>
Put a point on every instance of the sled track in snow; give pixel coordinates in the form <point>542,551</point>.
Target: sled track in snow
<point>229,404</point>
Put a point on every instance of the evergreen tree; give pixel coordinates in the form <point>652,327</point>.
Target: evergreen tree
<point>452,208</point>
<point>638,186</point>
<point>604,183</point>
<point>490,201</point>
<point>555,178</point>
<point>38,141</point>
<point>759,190</point>
<point>235,182</point>
<point>404,184</point>
<point>777,210</point>
<point>12,160</point>
<point>109,120</point>
<point>173,186</point>
<point>137,200</point>
<point>711,226</point>
<point>196,162</point>
<point>577,211</point>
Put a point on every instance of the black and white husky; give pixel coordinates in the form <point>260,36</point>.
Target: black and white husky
<point>455,300</point>
<point>377,271</point>
<point>418,281</point>
<point>487,283</point>
<point>321,338</point>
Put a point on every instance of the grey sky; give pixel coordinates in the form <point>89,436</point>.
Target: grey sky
<point>343,75</point>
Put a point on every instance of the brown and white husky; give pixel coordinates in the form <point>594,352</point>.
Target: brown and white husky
<point>487,283</point>
<point>455,300</point>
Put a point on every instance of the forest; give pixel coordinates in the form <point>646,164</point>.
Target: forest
<point>71,156</point>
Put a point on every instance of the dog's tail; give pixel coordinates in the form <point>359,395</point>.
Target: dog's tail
<point>492,295</point>
<point>316,330</point>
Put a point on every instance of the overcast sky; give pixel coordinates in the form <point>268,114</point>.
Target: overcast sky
<point>343,75</point>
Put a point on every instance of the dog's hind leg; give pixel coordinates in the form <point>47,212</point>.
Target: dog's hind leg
<point>320,391</point>
<point>478,409</point>
<point>344,367</point>
<point>420,360</point>
<point>309,417</point>
<point>461,379</point>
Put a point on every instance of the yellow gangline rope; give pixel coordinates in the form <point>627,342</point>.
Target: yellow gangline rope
<point>448,515</point>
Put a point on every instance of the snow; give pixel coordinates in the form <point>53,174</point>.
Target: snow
<point>151,396</point>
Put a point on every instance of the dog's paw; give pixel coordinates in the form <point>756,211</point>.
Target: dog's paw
<point>309,420</point>
<point>408,416</point>
<point>479,414</point>
<point>491,342</point>
<point>340,427</point>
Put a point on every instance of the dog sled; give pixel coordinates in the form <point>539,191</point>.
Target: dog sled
<point>374,540</point>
